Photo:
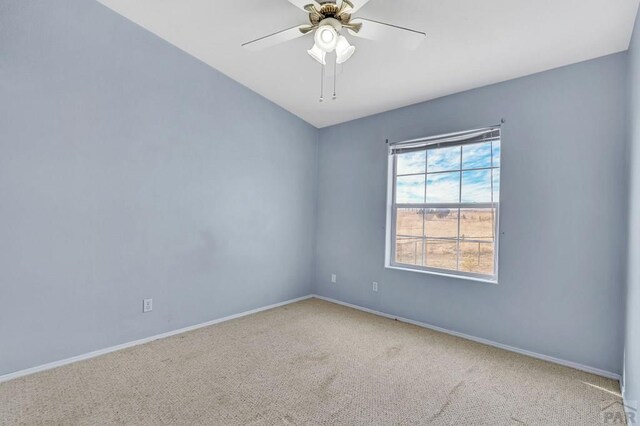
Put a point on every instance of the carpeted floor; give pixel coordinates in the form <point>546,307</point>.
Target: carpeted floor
<point>310,363</point>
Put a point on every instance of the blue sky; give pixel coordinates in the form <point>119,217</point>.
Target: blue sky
<point>444,187</point>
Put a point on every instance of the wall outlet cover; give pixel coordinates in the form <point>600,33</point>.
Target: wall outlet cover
<point>147,305</point>
<point>334,279</point>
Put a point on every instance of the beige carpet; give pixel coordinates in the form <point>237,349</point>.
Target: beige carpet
<point>310,363</point>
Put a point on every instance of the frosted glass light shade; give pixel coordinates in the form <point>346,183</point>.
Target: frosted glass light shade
<point>326,38</point>
<point>343,50</point>
<point>318,54</point>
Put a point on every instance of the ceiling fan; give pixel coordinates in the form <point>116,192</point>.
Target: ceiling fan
<point>327,18</point>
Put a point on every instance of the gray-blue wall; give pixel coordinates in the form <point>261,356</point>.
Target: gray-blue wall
<point>563,214</point>
<point>129,169</point>
<point>632,341</point>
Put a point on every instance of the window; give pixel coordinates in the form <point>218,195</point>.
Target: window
<point>444,197</point>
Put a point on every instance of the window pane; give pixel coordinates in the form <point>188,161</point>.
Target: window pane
<point>443,159</point>
<point>496,185</point>
<point>441,223</point>
<point>477,224</point>
<point>411,162</point>
<point>496,153</point>
<point>476,155</point>
<point>476,257</point>
<point>476,186</point>
<point>443,187</point>
<point>410,189</point>
<point>409,251</point>
<point>409,222</point>
<point>441,254</point>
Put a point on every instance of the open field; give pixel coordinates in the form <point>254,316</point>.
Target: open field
<point>429,238</point>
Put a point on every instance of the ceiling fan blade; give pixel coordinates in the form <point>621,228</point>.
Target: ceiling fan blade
<point>302,4</point>
<point>379,31</point>
<point>355,4</point>
<point>277,38</point>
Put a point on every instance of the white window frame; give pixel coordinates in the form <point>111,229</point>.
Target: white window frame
<point>392,208</point>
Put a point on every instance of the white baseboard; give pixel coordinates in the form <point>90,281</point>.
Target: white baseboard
<point>99,352</point>
<point>563,362</point>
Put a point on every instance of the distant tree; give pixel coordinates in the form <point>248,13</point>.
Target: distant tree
<point>442,213</point>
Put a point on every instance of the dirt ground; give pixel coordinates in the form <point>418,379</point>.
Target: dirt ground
<point>438,248</point>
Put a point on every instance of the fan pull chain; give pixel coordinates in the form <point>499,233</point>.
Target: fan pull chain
<point>335,73</point>
<point>321,82</point>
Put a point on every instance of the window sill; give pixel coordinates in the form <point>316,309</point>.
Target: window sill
<point>442,274</point>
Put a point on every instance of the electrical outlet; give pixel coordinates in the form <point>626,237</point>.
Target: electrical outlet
<point>374,286</point>
<point>334,279</point>
<point>147,305</point>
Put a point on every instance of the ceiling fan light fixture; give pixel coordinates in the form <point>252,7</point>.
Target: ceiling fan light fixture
<point>318,54</point>
<point>326,38</point>
<point>326,20</point>
<point>343,50</point>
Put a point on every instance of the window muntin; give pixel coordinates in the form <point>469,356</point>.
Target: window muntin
<point>445,208</point>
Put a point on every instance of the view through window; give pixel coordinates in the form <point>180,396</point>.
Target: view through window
<point>445,204</point>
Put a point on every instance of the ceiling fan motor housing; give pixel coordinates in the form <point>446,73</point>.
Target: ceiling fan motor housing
<point>329,10</point>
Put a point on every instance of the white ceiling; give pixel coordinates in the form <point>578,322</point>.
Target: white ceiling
<point>470,43</point>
